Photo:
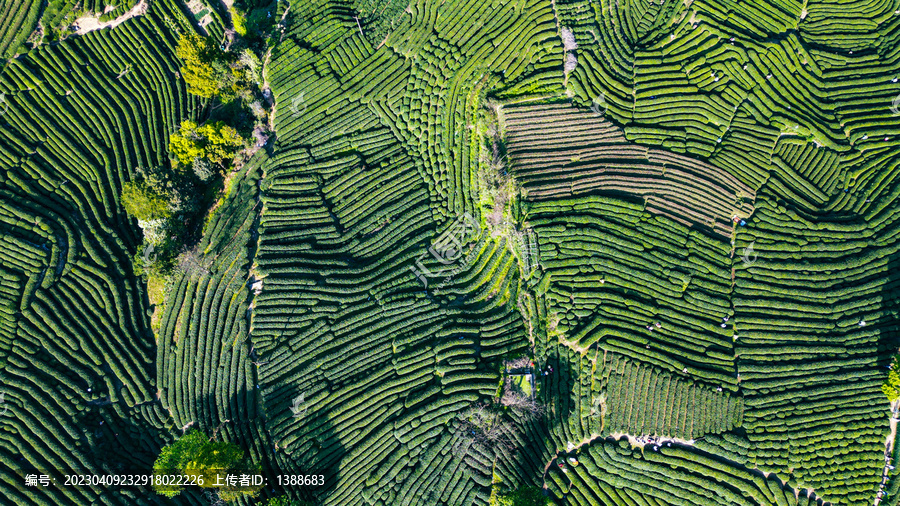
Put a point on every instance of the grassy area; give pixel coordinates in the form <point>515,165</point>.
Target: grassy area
<point>522,383</point>
<point>156,292</point>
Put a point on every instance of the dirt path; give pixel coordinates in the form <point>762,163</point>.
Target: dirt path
<point>888,451</point>
<point>90,23</point>
<point>639,441</point>
<point>644,440</point>
<point>586,441</point>
<point>282,22</point>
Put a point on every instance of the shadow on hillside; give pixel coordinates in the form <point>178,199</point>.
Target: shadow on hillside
<point>530,461</point>
<point>889,330</point>
<point>100,435</point>
<point>317,451</point>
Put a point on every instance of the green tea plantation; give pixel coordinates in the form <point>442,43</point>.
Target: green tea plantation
<point>450,252</point>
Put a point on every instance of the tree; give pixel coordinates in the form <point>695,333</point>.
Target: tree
<point>252,65</point>
<point>523,404</point>
<point>216,142</point>
<point>524,496</point>
<point>485,426</point>
<point>199,54</point>
<point>239,21</point>
<point>891,386</point>
<point>144,202</point>
<point>158,192</point>
<point>203,169</point>
<point>185,144</point>
<point>163,201</point>
<point>191,261</point>
<point>222,141</point>
<point>206,462</point>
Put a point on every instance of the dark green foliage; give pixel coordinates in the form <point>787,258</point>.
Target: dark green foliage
<point>525,496</point>
<point>167,200</point>
<point>177,186</point>
<point>79,374</point>
<point>284,500</point>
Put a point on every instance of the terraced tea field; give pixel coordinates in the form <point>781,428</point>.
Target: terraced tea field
<point>451,253</point>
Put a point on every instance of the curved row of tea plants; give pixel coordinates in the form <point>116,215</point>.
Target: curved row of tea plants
<point>78,371</point>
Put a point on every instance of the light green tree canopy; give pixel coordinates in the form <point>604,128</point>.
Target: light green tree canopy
<point>144,202</point>
<point>216,142</point>
<point>198,71</point>
<point>239,21</point>
<point>200,458</point>
<point>891,386</point>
